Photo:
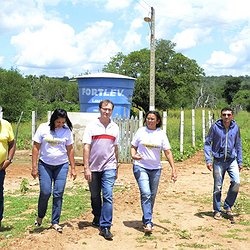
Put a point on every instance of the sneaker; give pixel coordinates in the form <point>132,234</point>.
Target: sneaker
<point>105,232</point>
<point>57,228</point>
<point>230,216</point>
<point>38,222</point>
<point>217,215</point>
<point>95,222</point>
<point>148,228</point>
<point>229,213</point>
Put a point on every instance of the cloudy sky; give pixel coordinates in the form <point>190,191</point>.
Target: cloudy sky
<point>70,37</point>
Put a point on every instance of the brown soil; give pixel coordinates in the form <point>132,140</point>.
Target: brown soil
<point>182,216</point>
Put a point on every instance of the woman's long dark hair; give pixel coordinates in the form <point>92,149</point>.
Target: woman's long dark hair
<point>59,113</point>
<point>158,117</point>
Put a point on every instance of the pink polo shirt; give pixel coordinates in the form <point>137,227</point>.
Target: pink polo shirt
<point>102,141</point>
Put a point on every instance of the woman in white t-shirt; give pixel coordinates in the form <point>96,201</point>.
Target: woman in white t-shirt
<point>51,154</point>
<point>146,148</point>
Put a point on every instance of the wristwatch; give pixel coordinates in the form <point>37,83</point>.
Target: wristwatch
<point>10,160</point>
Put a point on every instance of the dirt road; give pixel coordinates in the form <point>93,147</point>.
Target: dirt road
<point>182,215</point>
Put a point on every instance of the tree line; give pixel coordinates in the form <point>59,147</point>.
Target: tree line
<point>179,83</point>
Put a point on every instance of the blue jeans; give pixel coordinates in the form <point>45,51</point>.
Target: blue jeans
<point>47,175</point>
<point>102,207</point>
<point>2,176</point>
<point>148,181</point>
<point>219,170</point>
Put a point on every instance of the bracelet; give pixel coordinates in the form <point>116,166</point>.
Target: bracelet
<point>10,160</point>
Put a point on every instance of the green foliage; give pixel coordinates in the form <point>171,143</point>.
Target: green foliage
<point>242,119</point>
<point>232,86</point>
<point>52,93</point>
<point>173,133</point>
<point>24,139</point>
<point>20,211</point>
<point>242,98</point>
<point>177,78</point>
<point>24,186</point>
<point>184,234</point>
<point>14,94</point>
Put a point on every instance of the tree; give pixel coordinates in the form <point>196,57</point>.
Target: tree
<point>181,80</point>
<point>53,92</point>
<point>15,95</point>
<point>231,87</point>
<point>177,78</point>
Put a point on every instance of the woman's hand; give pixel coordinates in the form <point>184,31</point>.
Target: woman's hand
<point>173,175</point>
<point>137,157</point>
<point>34,172</point>
<point>73,173</point>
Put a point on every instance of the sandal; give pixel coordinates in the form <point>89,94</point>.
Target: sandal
<point>38,222</point>
<point>57,228</point>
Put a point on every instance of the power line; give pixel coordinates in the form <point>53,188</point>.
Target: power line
<point>146,3</point>
<point>139,2</point>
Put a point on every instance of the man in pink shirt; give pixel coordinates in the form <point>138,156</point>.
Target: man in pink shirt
<point>100,157</point>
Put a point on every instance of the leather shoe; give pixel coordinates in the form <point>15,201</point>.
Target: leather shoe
<point>105,232</point>
<point>95,222</point>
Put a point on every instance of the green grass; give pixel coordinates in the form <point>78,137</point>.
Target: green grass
<point>21,210</point>
<point>234,236</point>
<point>173,126</point>
<point>197,245</point>
<point>184,234</point>
<point>243,120</point>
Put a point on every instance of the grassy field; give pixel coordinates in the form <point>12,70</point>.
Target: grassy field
<point>173,126</point>
<point>21,209</point>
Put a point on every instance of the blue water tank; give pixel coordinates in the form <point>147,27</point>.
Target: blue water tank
<point>94,88</point>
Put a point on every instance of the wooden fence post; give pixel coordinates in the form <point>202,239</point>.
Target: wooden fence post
<point>164,121</point>
<point>203,126</point>
<point>49,115</point>
<point>193,127</point>
<point>33,124</point>
<point>182,132</point>
<point>140,119</point>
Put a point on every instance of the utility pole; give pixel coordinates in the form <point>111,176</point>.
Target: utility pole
<point>151,22</point>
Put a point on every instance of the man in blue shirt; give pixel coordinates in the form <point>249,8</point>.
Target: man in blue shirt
<point>223,144</point>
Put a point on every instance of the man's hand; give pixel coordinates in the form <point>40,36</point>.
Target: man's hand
<point>209,166</point>
<point>87,174</point>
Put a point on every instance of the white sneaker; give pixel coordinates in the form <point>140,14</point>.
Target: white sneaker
<point>38,222</point>
<point>148,228</point>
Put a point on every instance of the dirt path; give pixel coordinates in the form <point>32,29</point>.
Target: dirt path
<point>182,215</point>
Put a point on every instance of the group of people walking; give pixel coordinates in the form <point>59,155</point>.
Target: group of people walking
<point>53,156</point>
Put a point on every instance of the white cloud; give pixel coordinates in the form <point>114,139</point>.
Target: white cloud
<point>1,60</point>
<point>241,44</point>
<point>220,59</point>
<point>236,60</point>
<point>56,46</point>
<point>132,37</point>
<point>218,31</point>
<point>96,41</point>
<point>15,15</point>
<point>53,44</point>
<point>189,38</point>
<point>113,5</point>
